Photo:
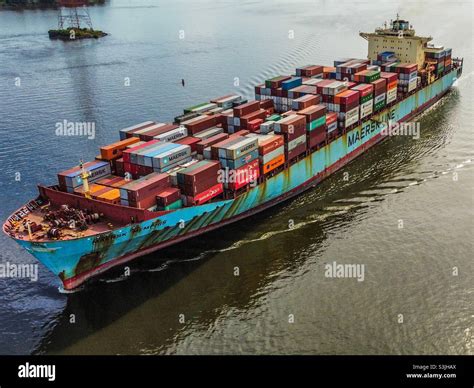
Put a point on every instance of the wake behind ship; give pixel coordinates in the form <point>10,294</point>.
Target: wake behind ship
<point>227,159</point>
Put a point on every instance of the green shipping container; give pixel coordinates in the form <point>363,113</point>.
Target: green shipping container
<point>366,98</point>
<point>189,110</point>
<point>273,118</point>
<point>379,105</point>
<point>175,205</point>
<point>316,123</point>
<point>268,82</point>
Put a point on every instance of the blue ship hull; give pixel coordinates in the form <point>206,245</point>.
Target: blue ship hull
<point>75,261</point>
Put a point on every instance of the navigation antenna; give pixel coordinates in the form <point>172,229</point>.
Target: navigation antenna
<point>73,14</point>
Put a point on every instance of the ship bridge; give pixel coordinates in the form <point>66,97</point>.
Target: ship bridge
<point>400,38</point>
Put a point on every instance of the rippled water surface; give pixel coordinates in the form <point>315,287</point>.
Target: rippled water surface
<point>186,299</point>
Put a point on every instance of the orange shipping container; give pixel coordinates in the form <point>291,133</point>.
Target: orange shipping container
<point>272,164</point>
<point>392,85</point>
<point>93,188</point>
<point>97,194</point>
<point>268,145</point>
<point>114,150</point>
<point>111,196</point>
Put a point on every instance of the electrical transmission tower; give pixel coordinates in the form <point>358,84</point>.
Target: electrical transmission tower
<point>73,14</point>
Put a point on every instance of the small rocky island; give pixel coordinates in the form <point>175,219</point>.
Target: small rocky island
<point>72,33</point>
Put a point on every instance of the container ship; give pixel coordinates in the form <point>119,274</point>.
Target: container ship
<point>229,158</point>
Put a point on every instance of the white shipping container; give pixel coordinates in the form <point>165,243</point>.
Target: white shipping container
<point>296,142</point>
<point>367,108</point>
<point>190,121</point>
<point>172,156</point>
<point>267,126</point>
<point>272,155</point>
<point>204,108</point>
<point>240,148</point>
<point>312,81</point>
<point>351,117</point>
<point>391,95</point>
<point>147,129</point>
<point>178,163</point>
<point>227,102</point>
<point>206,134</point>
<point>172,135</point>
<point>123,132</point>
<point>332,127</point>
<point>380,97</point>
<point>412,85</point>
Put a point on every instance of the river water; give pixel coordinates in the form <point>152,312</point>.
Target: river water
<point>416,296</point>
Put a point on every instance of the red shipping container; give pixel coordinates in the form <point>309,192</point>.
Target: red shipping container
<point>144,170</point>
<point>348,107</point>
<point>309,71</point>
<point>119,167</point>
<point>198,186</point>
<point>144,203</point>
<point>253,125</point>
<point>390,77</point>
<point>303,90</point>
<point>259,114</point>
<point>210,141</point>
<point>380,84</point>
<point>316,137</point>
<point>266,104</point>
<point>138,127</point>
<point>364,89</point>
<point>277,81</point>
<point>203,123</point>
<point>131,168</point>
<point>323,84</point>
<point>205,171</point>
<point>313,112</point>
<point>205,196</point>
<point>147,186</point>
<point>215,147</point>
<point>296,151</point>
<point>346,97</point>
<point>306,101</point>
<point>242,132</point>
<point>246,108</point>
<point>243,175</point>
<point>168,196</point>
<point>112,181</point>
<point>293,128</point>
<point>149,135</point>
<point>331,118</point>
<point>190,141</point>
